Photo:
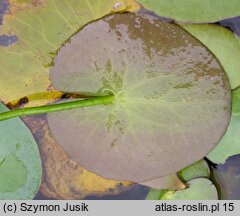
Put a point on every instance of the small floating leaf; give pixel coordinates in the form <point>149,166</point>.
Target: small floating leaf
<point>230,143</point>
<point>194,11</point>
<point>199,189</point>
<point>224,45</point>
<point>155,194</point>
<point>20,164</point>
<point>172,98</point>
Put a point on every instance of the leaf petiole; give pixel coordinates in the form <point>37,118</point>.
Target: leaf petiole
<point>100,100</point>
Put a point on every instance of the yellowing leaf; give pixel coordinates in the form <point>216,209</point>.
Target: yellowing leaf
<point>40,27</point>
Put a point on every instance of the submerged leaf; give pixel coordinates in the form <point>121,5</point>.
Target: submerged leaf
<point>38,29</point>
<point>199,189</point>
<point>194,11</point>
<point>20,164</point>
<point>224,45</point>
<point>172,98</point>
<point>230,143</point>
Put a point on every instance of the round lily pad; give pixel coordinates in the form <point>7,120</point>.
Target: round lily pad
<point>194,11</point>
<point>172,98</point>
<point>20,162</point>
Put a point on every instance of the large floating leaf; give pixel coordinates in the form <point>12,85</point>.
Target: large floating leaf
<point>20,164</point>
<point>38,28</point>
<point>167,182</point>
<point>199,189</point>
<point>224,45</point>
<point>194,11</point>
<point>63,177</point>
<point>172,98</point>
<point>230,143</point>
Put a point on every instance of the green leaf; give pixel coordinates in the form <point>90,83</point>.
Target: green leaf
<point>230,143</point>
<point>155,194</point>
<point>171,105</point>
<point>39,29</point>
<point>236,102</point>
<point>20,163</point>
<point>194,11</point>
<point>224,45</point>
<point>199,189</point>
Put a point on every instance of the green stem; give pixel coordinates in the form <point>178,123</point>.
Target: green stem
<point>56,107</point>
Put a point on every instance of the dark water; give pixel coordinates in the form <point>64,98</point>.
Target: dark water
<point>226,176</point>
<point>7,40</point>
<point>3,9</point>
<point>137,192</point>
<point>232,23</point>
